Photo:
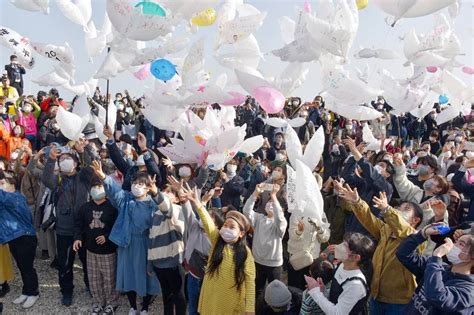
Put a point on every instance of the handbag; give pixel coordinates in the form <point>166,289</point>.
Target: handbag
<point>304,258</point>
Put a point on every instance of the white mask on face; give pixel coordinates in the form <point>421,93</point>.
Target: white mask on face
<point>66,165</point>
<point>453,255</point>
<point>279,157</point>
<point>119,106</point>
<point>379,169</point>
<point>14,155</point>
<point>27,108</point>
<point>138,190</point>
<point>340,252</point>
<point>98,193</point>
<point>405,215</point>
<point>231,170</point>
<point>276,175</point>
<point>228,235</point>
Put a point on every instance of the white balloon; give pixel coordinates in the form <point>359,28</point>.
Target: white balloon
<point>314,149</point>
<point>50,79</point>
<point>292,77</point>
<point>63,54</point>
<point>427,105</point>
<point>449,113</point>
<point>149,54</point>
<point>452,83</point>
<point>275,122</point>
<point>249,82</point>
<point>32,5</point>
<point>357,112</point>
<point>246,52</point>
<point>299,50</point>
<point>411,8</point>
<point>308,193</point>
<point>294,150</point>
<point>79,12</point>
<point>287,29</point>
<point>71,125</point>
<point>251,145</point>
<point>239,28</point>
<point>133,24</point>
<point>365,53</point>
<point>187,9</point>
<point>19,44</point>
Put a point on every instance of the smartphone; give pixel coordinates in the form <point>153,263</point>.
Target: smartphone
<point>268,187</point>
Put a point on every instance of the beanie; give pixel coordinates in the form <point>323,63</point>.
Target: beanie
<point>277,294</point>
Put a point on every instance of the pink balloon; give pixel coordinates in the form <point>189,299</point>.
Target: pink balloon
<point>236,100</point>
<point>143,72</point>
<point>307,6</point>
<point>271,100</point>
<point>431,69</point>
<point>468,70</point>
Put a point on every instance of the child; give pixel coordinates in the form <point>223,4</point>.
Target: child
<point>323,269</point>
<point>229,282</point>
<point>268,234</point>
<point>91,230</point>
<point>349,290</point>
<point>130,233</point>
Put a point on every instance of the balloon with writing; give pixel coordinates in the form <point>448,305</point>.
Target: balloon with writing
<point>163,69</point>
<point>205,18</point>
<point>443,99</point>
<point>151,8</point>
<point>19,44</point>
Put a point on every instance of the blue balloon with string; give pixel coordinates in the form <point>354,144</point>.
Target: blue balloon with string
<point>443,99</point>
<point>163,69</point>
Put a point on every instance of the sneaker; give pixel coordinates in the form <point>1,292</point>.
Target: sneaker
<point>132,311</point>
<point>30,301</point>
<point>66,300</point>
<point>96,310</point>
<point>109,309</point>
<point>5,289</point>
<point>20,300</point>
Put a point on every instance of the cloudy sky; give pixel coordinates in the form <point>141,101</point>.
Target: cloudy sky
<point>373,33</point>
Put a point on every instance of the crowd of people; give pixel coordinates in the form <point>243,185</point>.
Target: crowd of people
<point>396,235</point>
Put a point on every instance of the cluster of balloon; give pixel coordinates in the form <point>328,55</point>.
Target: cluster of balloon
<point>361,4</point>
<point>443,99</point>
<point>163,69</point>
<point>270,99</point>
<point>431,69</point>
<point>468,70</point>
<point>151,8</point>
<point>205,18</point>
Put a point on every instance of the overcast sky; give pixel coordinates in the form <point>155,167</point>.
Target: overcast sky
<point>373,33</point>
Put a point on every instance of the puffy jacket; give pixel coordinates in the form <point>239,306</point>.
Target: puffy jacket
<point>15,217</point>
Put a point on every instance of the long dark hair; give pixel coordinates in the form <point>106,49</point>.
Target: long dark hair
<point>364,247</point>
<point>240,256</point>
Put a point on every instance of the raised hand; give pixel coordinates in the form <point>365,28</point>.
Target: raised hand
<point>53,153</point>
<point>141,139</point>
<point>275,190</point>
<point>174,183</point>
<point>258,189</point>
<point>444,249</point>
<point>349,194</point>
<point>381,202</point>
<point>108,133</point>
<point>153,187</point>
<point>97,168</point>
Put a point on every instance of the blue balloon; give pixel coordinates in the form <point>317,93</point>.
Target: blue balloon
<point>443,99</point>
<point>163,69</point>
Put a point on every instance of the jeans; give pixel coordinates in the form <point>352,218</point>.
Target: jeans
<point>23,250</point>
<point>194,290</point>
<point>172,288</point>
<point>380,308</point>
<point>66,258</point>
<point>264,274</point>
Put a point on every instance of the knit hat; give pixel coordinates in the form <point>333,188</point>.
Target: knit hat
<point>277,294</point>
<point>238,217</point>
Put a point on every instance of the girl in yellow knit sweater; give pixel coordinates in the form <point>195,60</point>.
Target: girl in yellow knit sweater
<point>229,283</point>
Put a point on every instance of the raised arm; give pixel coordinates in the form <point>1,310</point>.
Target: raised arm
<point>406,189</point>
<point>408,256</point>
<point>48,178</point>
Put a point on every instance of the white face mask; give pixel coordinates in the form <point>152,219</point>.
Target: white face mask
<point>231,169</point>
<point>229,235</point>
<point>138,190</point>
<point>14,155</point>
<point>379,169</point>
<point>66,165</point>
<point>98,193</point>
<point>184,172</point>
<point>340,252</point>
<point>276,175</point>
<point>27,108</point>
<point>405,215</point>
<point>453,255</point>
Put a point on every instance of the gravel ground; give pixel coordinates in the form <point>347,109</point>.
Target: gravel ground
<point>49,301</point>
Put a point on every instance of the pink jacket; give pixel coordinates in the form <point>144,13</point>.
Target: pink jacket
<point>29,122</point>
